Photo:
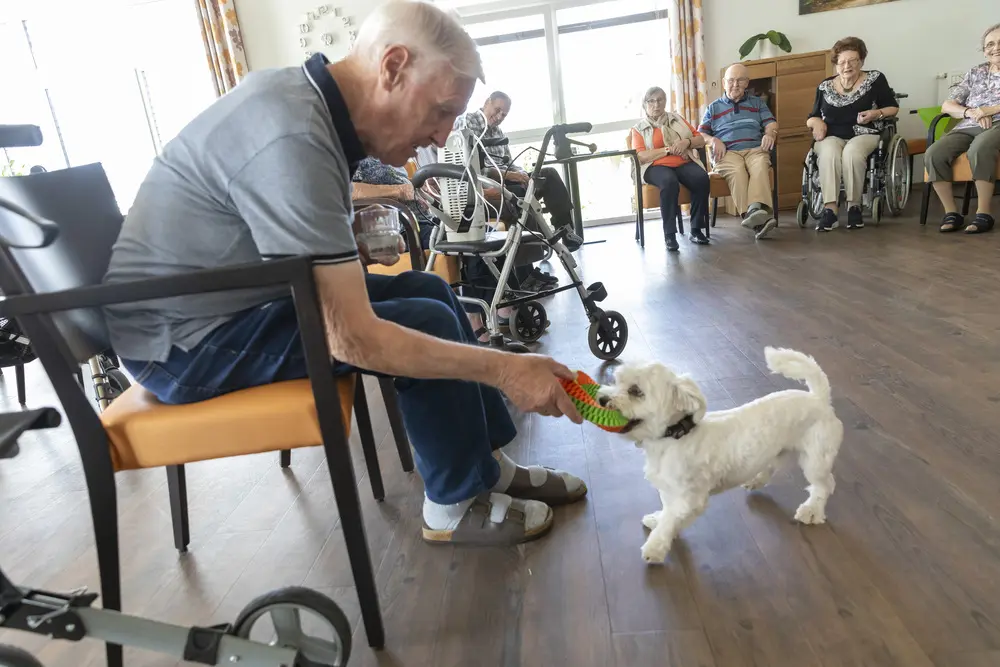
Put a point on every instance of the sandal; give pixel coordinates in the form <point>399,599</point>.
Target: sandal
<point>952,222</point>
<point>496,520</point>
<point>981,223</point>
<point>550,486</point>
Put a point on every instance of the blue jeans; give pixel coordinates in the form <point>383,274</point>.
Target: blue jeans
<point>454,425</point>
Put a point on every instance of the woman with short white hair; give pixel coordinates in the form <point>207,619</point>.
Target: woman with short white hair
<point>668,152</point>
<point>976,101</point>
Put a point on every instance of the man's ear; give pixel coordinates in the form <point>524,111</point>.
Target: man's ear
<point>688,397</point>
<point>395,61</point>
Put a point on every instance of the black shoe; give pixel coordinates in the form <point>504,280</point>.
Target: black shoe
<point>854,218</point>
<point>672,243</point>
<point>827,222</point>
<point>698,236</point>
<point>543,278</point>
<point>572,241</point>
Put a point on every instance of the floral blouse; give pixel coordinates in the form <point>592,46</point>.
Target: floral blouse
<point>978,88</point>
<point>840,111</point>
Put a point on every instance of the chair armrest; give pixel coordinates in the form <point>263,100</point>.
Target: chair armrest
<point>409,222</point>
<point>932,128</point>
<point>244,276</point>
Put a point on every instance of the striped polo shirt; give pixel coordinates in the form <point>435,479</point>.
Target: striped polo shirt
<point>739,125</point>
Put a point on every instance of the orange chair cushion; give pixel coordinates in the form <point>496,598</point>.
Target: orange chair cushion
<point>145,433</point>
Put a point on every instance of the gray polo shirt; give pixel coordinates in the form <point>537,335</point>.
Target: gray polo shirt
<point>264,172</point>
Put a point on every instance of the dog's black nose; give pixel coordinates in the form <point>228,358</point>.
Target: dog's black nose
<point>603,401</point>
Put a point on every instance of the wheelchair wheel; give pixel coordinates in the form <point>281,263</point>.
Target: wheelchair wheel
<point>284,607</point>
<point>812,191</point>
<point>608,335</point>
<point>802,214</point>
<point>898,176</point>
<point>878,207</point>
<point>12,656</point>
<point>528,322</point>
<point>118,382</point>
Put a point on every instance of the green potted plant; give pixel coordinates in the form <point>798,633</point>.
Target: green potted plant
<point>771,36</point>
<point>9,168</point>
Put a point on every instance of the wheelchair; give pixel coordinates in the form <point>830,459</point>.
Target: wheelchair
<point>72,616</point>
<point>462,232</point>
<point>888,178</point>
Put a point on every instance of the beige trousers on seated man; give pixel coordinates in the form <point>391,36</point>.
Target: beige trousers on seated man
<point>747,174</point>
<point>844,159</point>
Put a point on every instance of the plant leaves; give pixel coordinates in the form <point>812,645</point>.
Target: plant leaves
<point>785,45</point>
<point>749,44</point>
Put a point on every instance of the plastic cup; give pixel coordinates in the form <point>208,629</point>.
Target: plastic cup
<point>378,233</point>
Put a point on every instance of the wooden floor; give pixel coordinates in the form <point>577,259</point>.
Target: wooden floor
<point>906,573</point>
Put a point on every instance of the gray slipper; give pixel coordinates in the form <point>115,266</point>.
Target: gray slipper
<point>496,520</point>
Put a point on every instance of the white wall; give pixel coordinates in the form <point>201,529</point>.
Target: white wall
<point>271,29</point>
<point>910,41</point>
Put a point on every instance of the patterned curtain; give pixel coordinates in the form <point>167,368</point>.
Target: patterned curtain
<point>220,31</point>
<point>687,48</point>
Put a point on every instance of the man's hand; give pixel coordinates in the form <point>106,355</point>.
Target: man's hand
<point>531,382</point>
<point>819,130</point>
<point>517,176</point>
<point>718,148</point>
<point>767,141</point>
<point>389,260</point>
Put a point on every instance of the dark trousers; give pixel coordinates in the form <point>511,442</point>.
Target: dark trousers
<point>454,426</point>
<point>552,193</point>
<point>669,180</point>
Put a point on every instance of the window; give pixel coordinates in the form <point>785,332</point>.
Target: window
<point>584,63</point>
<point>138,74</point>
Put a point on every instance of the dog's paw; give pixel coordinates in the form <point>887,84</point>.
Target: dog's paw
<point>650,520</point>
<point>810,514</point>
<point>654,553</point>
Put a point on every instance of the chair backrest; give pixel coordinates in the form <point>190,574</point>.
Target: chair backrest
<point>80,202</point>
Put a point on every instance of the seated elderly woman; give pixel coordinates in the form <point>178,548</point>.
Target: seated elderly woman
<point>667,146</point>
<point>976,100</point>
<point>374,178</point>
<point>846,121</point>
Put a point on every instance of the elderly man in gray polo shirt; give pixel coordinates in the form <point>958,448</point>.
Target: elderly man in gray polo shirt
<point>266,172</point>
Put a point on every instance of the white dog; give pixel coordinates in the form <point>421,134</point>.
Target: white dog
<point>691,455</point>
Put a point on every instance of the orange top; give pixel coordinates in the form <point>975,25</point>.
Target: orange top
<point>667,160</point>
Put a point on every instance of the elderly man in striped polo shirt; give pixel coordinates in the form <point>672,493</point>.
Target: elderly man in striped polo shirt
<point>743,132</point>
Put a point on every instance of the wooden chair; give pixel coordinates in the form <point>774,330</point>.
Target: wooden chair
<point>54,290</point>
<point>961,168</point>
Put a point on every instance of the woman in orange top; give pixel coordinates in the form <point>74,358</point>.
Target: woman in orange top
<point>667,146</point>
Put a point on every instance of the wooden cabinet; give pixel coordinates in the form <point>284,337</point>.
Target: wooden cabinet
<point>788,85</point>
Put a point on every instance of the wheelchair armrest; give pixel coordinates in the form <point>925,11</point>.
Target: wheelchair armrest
<point>932,128</point>
<point>409,222</point>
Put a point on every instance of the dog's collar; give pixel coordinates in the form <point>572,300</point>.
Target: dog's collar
<point>681,428</point>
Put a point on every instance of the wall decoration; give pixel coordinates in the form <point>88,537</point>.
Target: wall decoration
<point>815,6</point>
<point>328,21</point>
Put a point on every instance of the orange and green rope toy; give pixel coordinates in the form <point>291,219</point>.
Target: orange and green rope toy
<point>583,393</point>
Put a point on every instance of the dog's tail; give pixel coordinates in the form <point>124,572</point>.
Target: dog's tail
<point>798,366</point>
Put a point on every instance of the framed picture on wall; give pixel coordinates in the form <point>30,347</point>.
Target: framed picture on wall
<point>815,6</point>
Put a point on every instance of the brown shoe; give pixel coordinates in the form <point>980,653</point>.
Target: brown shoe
<point>552,489</point>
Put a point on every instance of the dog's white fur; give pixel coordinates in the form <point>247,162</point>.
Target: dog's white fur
<point>745,445</point>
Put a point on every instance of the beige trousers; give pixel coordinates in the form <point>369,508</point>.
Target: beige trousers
<point>747,173</point>
<point>844,159</point>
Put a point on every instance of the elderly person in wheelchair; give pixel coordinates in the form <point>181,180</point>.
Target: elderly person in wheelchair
<point>743,132</point>
<point>847,120</point>
<point>976,101</point>
<point>231,189</point>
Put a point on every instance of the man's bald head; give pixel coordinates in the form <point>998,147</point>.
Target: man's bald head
<point>736,80</point>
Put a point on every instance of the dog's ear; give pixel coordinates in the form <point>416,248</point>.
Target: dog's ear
<point>688,397</point>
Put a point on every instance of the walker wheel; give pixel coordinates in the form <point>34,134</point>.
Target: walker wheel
<point>528,322</point>
<point>284,608</point>
<point>118,382</point>
<point>802,214</point>
<point>12,656</point>
<point>608,335</point>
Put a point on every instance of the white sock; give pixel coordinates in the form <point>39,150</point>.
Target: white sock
<point>444,517</point>
<point>507,468</point>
